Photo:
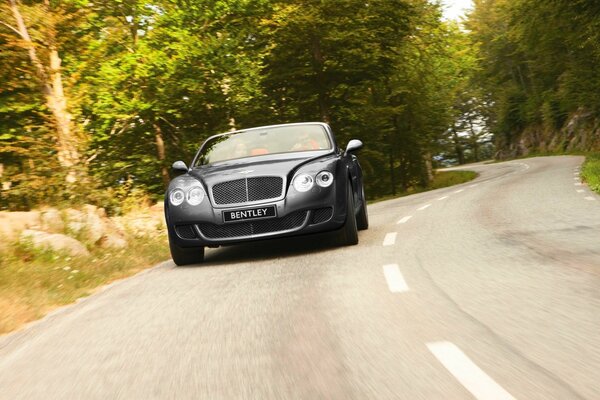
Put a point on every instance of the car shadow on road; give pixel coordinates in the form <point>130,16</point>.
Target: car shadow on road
<point>270,249</point>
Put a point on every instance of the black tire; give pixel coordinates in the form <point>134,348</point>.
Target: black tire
<point>348,235</point>
<point>362,219</point>
<point>186,255</point>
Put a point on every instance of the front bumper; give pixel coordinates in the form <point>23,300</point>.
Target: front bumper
<point>319,210</point>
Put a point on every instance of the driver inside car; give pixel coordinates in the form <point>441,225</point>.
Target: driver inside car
<point>306,142</point>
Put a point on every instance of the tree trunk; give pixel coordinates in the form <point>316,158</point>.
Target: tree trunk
<point>428,176</point>
<point>458,147</point>
<point>160,151</point>
<point>474,141</point>
<point>392,173</point>
<point>321,80</point>
<point>52,88</point>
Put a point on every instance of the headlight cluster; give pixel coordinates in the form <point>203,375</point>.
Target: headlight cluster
<point>194,196</point>
<point>305,182</point>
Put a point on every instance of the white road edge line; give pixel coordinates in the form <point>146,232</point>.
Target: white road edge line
<point>424,207</point>
<point>459,190</point>
<point>590,198</point>
<point>394,279</point>
<point>578,184</point>
<point>443,198</point>
<point>481,385</point>
<point>405,219</point>
<point>580,190</point>
<point>390,239</point>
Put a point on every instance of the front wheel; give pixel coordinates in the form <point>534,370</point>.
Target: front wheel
<point>186,255</point>
<point>348,235</point>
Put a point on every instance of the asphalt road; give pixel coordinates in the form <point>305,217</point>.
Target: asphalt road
<point>487,290</point>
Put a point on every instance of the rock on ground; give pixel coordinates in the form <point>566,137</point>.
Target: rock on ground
<point>55,242</point>
<point>52,221</point>
<point>113,240</point>
<point>13,223</point>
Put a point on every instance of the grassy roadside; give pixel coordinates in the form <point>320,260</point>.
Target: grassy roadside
<point>34,282</point>
<point>441,179</point>
<point>590,171</point>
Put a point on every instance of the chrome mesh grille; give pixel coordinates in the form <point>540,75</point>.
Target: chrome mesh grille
<point>264,187</point>
<point>231,192</point>
<point>247,229</point>
<point>248,190</point>
<point>291,221</point>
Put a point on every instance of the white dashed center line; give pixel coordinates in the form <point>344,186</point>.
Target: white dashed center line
<point>474,185</point>
<point>405,219</point>
<point>467,372</point>
<point>459,190</point>
<point>394,278</point>
<point>580,190</point>
<point>390,239</point>
<point>443,198</point>
<point>578,184</point>
<point>590,198</point>
<point>424,207</point>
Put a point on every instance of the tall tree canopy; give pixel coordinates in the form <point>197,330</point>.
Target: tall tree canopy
<point>142,83</point>
<point>540,63</point>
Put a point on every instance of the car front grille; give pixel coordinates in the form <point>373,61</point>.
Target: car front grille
<point>231,192</point>
<point>247,229</point>
<point>247,190</point>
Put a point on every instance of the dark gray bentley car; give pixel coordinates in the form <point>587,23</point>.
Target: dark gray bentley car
<point>266,182</point>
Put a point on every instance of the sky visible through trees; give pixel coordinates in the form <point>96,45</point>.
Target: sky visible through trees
<point>455,9</point>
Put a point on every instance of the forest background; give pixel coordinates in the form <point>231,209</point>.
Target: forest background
<point>98,98</point>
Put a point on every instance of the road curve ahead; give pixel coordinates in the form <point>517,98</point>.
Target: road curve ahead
<point>487,290</point>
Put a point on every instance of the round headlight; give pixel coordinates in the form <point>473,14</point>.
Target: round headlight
<point>324,178</point>
<point>176,197</point>
<point>195,195</point>
<point>303,182</point>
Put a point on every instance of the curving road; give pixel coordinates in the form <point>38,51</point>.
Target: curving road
<point>487,290</point>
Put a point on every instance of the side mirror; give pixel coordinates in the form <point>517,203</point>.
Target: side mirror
<point>179,166</point>
<point>353,145</point>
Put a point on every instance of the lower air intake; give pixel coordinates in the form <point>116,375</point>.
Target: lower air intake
<point>248,229</point>
<point>322,215</point>
<point>185,231</point>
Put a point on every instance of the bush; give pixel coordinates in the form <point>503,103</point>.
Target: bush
<point>590,171</point>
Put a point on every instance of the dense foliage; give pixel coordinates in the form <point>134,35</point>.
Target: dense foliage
<point>540,66</point>
<point>139,84</point>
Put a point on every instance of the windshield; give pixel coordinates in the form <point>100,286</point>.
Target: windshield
<point>257,142</point>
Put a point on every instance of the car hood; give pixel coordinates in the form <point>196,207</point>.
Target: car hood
<point>244,168</point>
